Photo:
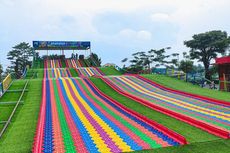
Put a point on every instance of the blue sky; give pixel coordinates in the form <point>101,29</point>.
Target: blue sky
<point>116,28</point>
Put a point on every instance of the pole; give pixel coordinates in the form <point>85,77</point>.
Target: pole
<point>225,83</point>
<point>33,57</point>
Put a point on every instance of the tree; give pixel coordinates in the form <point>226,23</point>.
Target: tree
<point>19,57</point>
<point>186,66</point>
<point>124,60</point>
<point>95,57</point>
<point>1,71</point>
<point>206,46</point>
<point>143,60</point>
<point>175,60</point>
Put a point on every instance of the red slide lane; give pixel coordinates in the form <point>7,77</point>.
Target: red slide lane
<point>66,63</point>
<point>213,130</point>
<point>40,124</point>
<point>152,123</point>
<point>211,100</point>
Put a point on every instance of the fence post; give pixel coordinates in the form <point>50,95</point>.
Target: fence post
<point>225,83</point>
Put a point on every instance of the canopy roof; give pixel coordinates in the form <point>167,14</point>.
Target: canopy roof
<point>223,60</point>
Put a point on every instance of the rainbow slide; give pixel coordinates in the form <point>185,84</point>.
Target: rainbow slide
<point>208,115</point>
<point>52,63</point>
<point>58,72</point>
<point>76,117</point>
<point>89,71</point>
<point>72,63</point>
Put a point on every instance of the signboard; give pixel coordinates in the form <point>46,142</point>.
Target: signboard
<point>65,45</point>
<point>6,82</point>
<point>1,89</point>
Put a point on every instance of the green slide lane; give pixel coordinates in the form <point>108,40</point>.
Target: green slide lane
<point>67,138</point>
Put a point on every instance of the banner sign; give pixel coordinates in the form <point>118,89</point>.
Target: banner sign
<point>65,45</point>
<point>1,89</point>
<point>6,82</point>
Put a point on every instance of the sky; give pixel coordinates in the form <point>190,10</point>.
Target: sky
<point>116,28</point>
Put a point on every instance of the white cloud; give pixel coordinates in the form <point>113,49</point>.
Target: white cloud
<point>141,35</point>
<point>169,21</point>
<point>145,35</point>
<point>160,17</point>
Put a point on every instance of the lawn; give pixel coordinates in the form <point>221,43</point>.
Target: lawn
<point>196,137</point>
<point>109,71</point>
<point>63,64</point>
<point>35,73</point>
<point>73,72</point>
<point>6,109</point>
<point>20,133</point>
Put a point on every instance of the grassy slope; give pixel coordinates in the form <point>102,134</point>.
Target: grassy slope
<point>20,133</point>
<point>5,110</point>
<point>216,146</point>
<point>38,73</point>
<point>63,63</point>
<point>110,71</point>
<point>73,72</point>
<point>188,87</point>
<point>38,64</point>
<point>194,135</point>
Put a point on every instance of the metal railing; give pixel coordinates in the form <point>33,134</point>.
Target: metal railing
<point>14,110</point>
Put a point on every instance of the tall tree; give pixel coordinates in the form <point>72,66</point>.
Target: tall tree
<point>206,46</point>
<point>95,57</point>
<point>186,65</point>
<point>19,57</point>
<point>143,60</point>
<point>1,71</point>
<point>175,60</point>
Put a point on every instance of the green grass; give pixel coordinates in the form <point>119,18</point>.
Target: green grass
<point>20,133</point>
<point>5,110</point>
<point>188,87</point>
<point>38,64</point>
<point>216,146</point>
<point>109,71</point>
<point>196,137</point>
<point>31,73</point>
<point>35,73</point>
<point>63,63</point>
<point>73,72</point>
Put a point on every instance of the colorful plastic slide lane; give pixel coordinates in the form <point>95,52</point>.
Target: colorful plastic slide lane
<point>58,72</point>
<point>89,71</point>
<point>68,63</point>
<point>71,63</point>
<point>76,117</point>
<point>52,63</point>
<point>207,115</point>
